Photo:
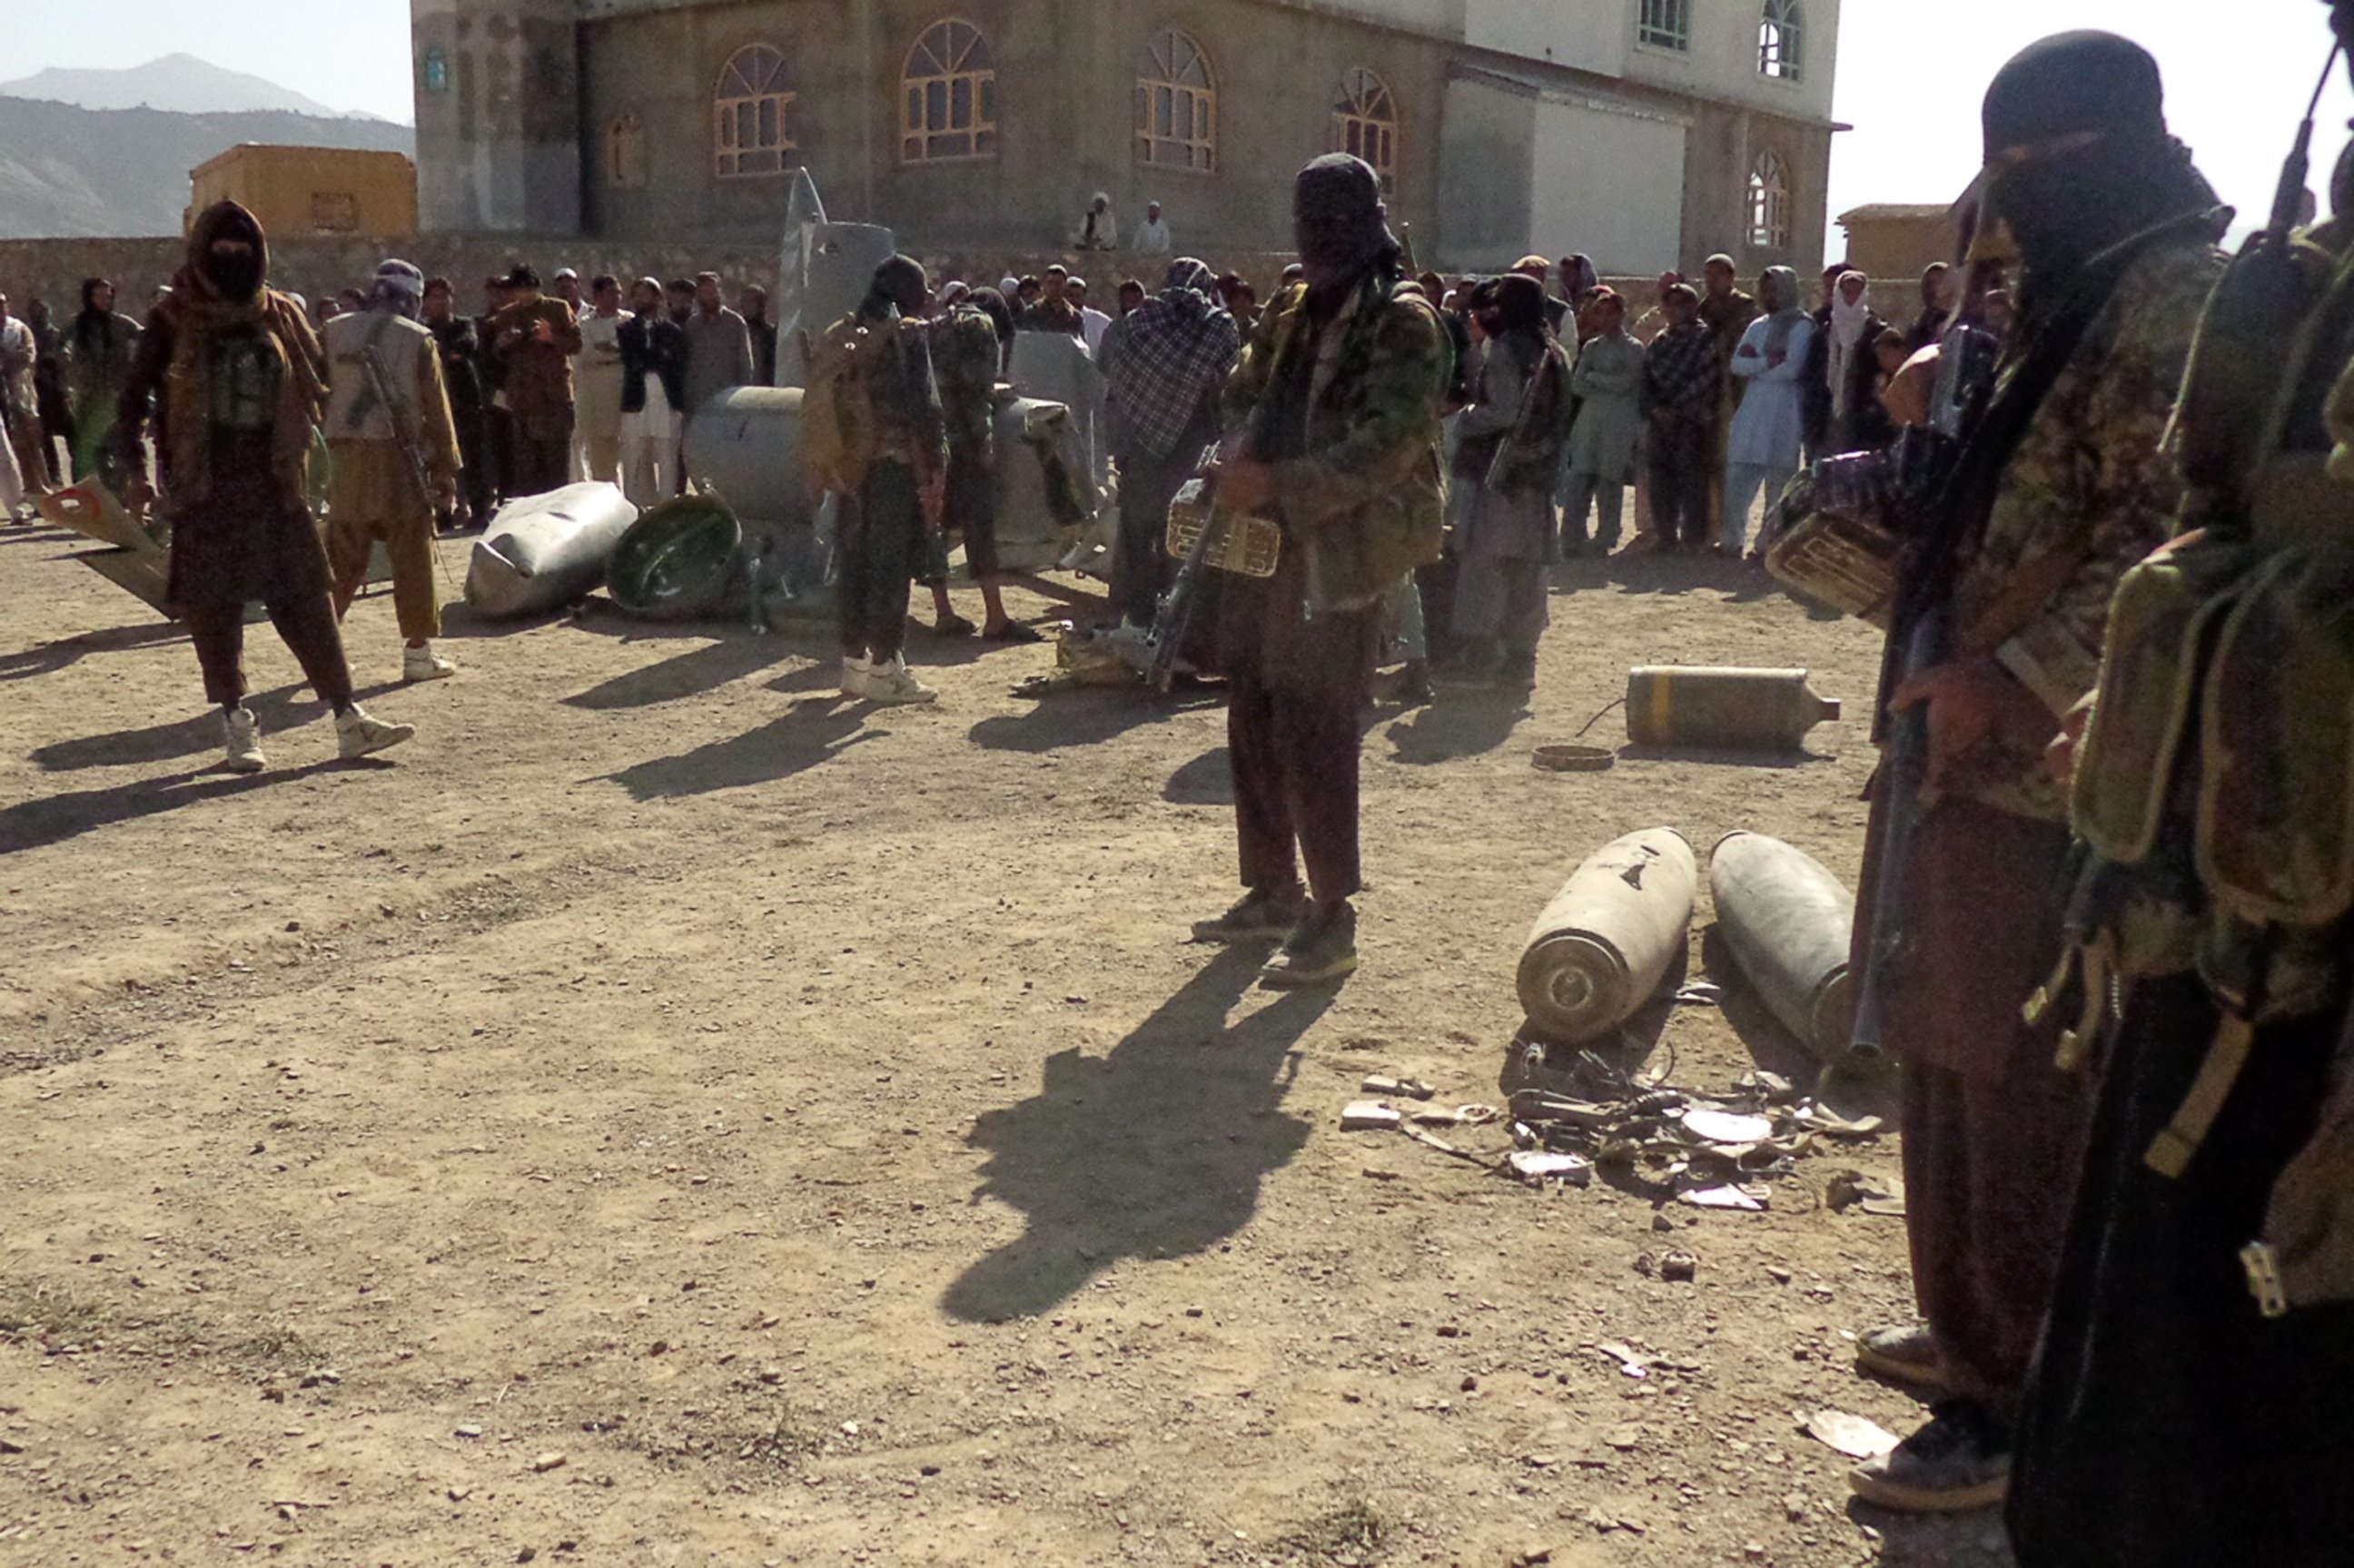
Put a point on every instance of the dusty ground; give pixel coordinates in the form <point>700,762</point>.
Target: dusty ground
<point>666,1115</point>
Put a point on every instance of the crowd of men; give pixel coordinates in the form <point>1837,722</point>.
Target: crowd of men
<point>2109,866</point>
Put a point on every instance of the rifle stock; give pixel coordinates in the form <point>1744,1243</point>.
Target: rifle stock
<point>1175,615</point>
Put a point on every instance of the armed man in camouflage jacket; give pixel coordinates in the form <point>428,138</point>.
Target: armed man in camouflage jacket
<point>1334,433</point>
<point>2059,488</point>
<point>2190,1404</point>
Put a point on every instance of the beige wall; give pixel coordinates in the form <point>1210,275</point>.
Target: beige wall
<point>1066,82</point>
<point>308,190</point>
<point>1897,247</point>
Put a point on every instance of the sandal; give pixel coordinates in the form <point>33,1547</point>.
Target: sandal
<point>952,626</point>
<point>1013,632</point>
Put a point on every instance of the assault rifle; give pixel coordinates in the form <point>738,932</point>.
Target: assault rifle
<point>1966,364</point>
<point>1174,616</point>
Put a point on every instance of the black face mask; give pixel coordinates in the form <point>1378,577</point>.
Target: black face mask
<point>237,274</point>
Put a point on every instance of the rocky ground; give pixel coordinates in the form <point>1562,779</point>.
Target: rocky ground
<point>669,1114</point>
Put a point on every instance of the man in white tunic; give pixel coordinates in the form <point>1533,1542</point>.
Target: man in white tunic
<point>1761,452</point>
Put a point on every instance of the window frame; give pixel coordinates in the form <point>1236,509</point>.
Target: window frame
<point>956,66</point>
<point>764,97</point>
<point>1366,112</point>
<point>1672,34</point>
<point>1767,201</point>
<point>1168,57</point>
<point>1781,41</point>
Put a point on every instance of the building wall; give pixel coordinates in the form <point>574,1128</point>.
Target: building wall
<point>304,190</point>
<point>1722,148</point>
<point>1066,83</point>
<point>1587,34</point>
<point>498,114</point>
<point>1604,181</point>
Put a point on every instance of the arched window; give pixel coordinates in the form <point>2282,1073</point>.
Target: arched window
<point>1770,202</point>
<point>1780,32</point>
<point>752,114</point>
<point>437,69</point>
<point>625,152</point>
<point>1364,122</point>
<point>948,97</point>
<point>1176,105</point>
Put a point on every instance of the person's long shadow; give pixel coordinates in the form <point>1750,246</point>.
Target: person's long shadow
<point>1456,726</point>
<point>151,744</point>
<point>53,819</point>
<point>1154,1150</point>
<point>808,733</point>
<point>692,674</point>
<point>1080,719</point>
<point>48,658</point>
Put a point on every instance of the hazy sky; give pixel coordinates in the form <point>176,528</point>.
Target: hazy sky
<point>1909,72</point>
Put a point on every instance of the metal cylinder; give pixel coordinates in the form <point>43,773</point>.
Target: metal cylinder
<point>746,444</point>
<point>1788,922</point>
<point>1601,948</point>
<point>1697,704</point>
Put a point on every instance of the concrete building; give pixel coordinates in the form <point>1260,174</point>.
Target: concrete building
<point>311,190</point>
<point>1646,133</point>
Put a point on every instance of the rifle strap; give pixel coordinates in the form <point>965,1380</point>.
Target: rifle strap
<point>2170,1152</point>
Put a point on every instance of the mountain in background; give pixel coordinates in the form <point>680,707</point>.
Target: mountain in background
<point>68,172</point>
<point>182,84</point>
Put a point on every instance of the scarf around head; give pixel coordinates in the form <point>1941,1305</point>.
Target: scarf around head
<point>1848,324</point>
<point>198,313</point>
<point>1170,352</point>
<point>1789,310</point>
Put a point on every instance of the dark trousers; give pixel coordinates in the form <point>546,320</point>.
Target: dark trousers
<point>307,623</point>
<point>476,476</point>
<point>1990,1167</point>
<point>1679,479</point>
<point>2171,1425</point>
<point>1293,689</point>
<point>56,424</point>
<point>541,448</point>
<point>498,431</point>
<point>1993,1128</point>
<point>878,551</point>
<point>1140,566</point>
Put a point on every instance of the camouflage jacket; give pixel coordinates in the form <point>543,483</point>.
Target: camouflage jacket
<point>2089,492</point>
<point>1348,413</point>
<point>966,355</point>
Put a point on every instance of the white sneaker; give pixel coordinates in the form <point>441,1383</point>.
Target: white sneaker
<point>856,675</point>
<point>357,735</point>
<point>424,664</point>
<point>244,742</point>
<point>894,683</point>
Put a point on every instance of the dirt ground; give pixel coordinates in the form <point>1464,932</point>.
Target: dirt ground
<point>668,1115</point>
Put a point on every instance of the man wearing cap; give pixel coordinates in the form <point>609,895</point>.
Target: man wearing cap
<point>2060,486</point>
<point>534,338</point>
<point>388,426</point>
<point>1332,421</point>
